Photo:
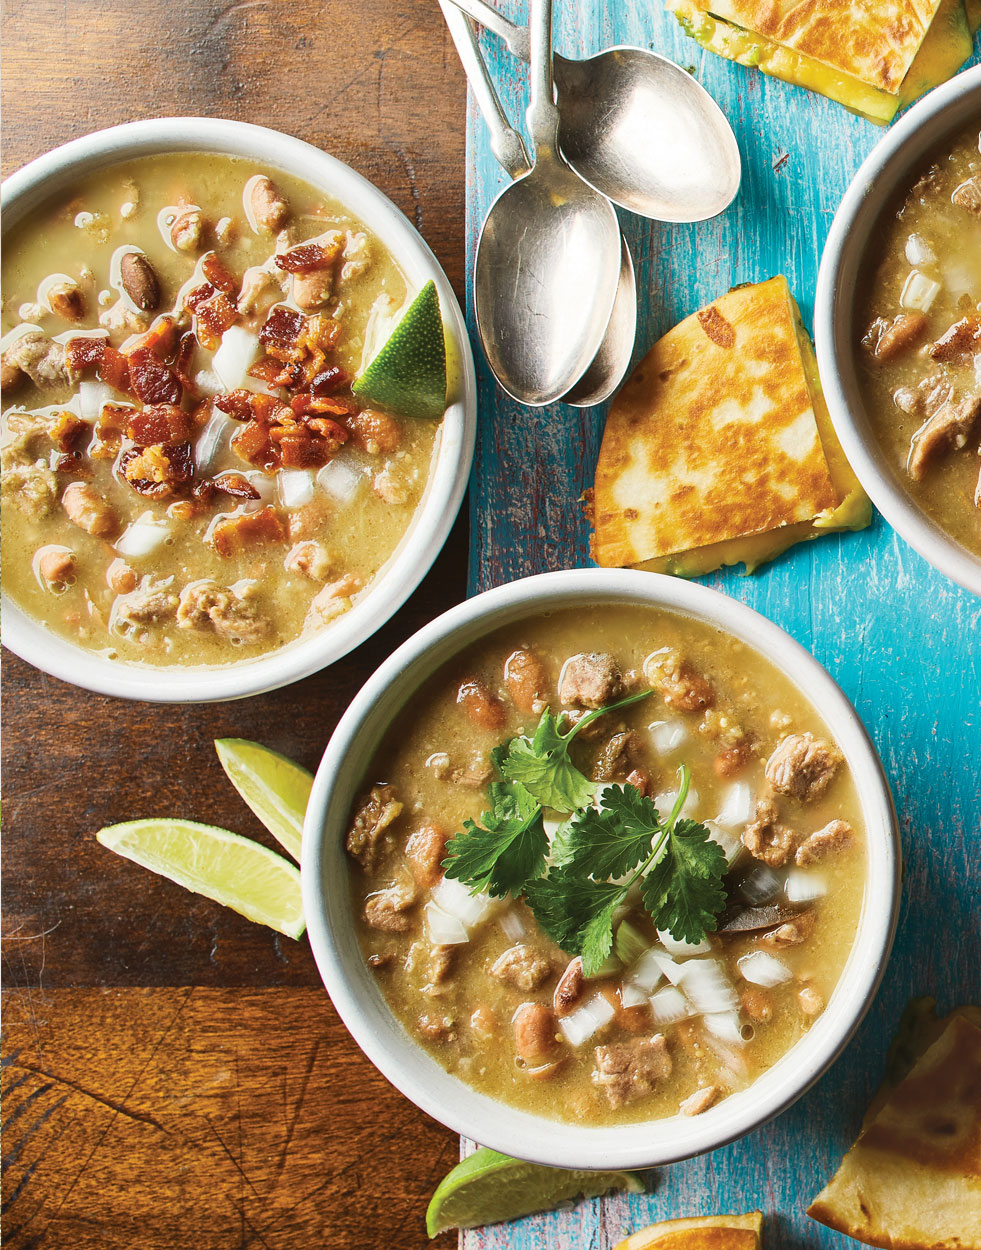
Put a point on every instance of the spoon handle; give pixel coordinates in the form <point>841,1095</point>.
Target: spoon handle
<point>542,115</point>
<point>506,144</point>
<point>515,37</point>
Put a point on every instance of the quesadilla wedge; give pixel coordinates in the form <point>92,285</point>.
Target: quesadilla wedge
<point>912,1180</point>
<point>872,56</point>
<point>700,1232</point>
<point>719,449</point>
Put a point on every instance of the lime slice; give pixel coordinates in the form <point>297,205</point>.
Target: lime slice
<point>408,375</point>
<point>223,866</point>
<point>276,789</point>
<point>488,1187</point>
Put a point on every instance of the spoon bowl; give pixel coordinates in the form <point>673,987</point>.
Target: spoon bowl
<point>611,362</point>
<point>645,133</point>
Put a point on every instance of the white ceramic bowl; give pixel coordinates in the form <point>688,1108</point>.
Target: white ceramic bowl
<point>351,983</point>
<point>57,171</point>
<point>888,169</point>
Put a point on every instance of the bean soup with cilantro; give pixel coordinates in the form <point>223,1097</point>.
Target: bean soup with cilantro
<point>608,866</point>
<point>187,475</point>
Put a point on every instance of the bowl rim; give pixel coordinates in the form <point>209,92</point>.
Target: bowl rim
<point>381,1036</point>
<point>892,159</point>
<point>436,512</point>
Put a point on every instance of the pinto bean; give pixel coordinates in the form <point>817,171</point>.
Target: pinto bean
<point>534,1032</point>
<point>482,707</point>
<point>570,988</point>
<point>56,565</point>
<point>313,289</point>
<point>270,210</point>
<point>526,682</point>
<point>120,577</point>
<point>424,852</point>
<point>733,759</point>
<point>810,1001</point>
<point>89,511</point>
<point>757,1003</point>
<point>483,1022</point>
<point>139,281</point>
<point>186,229</point>
<point>67,301</point>
<point>11,375</point>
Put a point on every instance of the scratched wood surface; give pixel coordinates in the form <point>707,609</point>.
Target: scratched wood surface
<point>899,638</point>
<point>174,1076</point>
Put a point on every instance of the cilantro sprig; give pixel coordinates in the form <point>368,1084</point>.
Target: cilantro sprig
<point>680,867</point>
<point>600,854</point>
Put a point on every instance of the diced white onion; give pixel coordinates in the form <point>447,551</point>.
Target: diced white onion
<point>512,924</point>
<point>454,897</point>
<point>665,801</point>
<point>960,279</point>
<point>235,357</point>
<point>919,251</point>
<point>760,885</point>
<point>669,1005</point>
<point>763,969</point>
<point>92,396</point>
<point>667,735</point>
<point>737,806</point>
<point>802,886</point>
<point>586,1020</point>
<point>143,536</point>
<point>217,428</point>
<point>443,929</point>
<point>919,292</point>
<point>296,487</point>
<point>264,484</point>
<point>340,479</point>
<point>674,947</point>
<point>208,382</point>
<point>673,971</point>
<point>728,840</point>
<point>646,972</point>
<point>707,987</point>
<point>724,1025</point>
<point>632,995</point>
<point>733,1060</point>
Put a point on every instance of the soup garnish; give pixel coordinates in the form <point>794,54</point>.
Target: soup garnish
<point>607,884</point>
<point>188,477</point>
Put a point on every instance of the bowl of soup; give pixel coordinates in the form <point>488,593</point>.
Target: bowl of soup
<point>898,330</point>
<point>196,504</point>
<point>655,953</point>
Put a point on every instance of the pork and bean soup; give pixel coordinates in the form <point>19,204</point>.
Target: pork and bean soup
<point>608,866</point>
<point>922,340</point>
<point>187,476</point>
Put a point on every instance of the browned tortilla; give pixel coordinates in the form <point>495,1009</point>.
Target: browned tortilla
<point>912,1181</point>
<point>714,435</point>
<point>874,41</point>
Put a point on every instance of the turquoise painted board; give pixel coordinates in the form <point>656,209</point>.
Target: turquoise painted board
<point>900,639</point>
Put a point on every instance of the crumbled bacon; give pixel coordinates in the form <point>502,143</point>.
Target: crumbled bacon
<point>281,331</point>
<point>160,423</point>
<point>329,380</point>
<point>328,429</point>
<point>160,338</point>
<point>321,333</point>
<point>234,534</point>
<point>266,370</point>
<point>218,274</point>
<point>307,257</point>
<point>153,382</point>
<point>215,315</point>
<point>109,428</point>
<point>254,446</point>
<point>340,407</point>
<point>197,295</point>
<point>114,370</point>
<point>110,366</point>
<point>182,363</point>
<point>74,464</point>
<point>237,404</point>
<point>374,432</point>
<point>155,471</point>
<point>234,484</point>
<point>66,430</point>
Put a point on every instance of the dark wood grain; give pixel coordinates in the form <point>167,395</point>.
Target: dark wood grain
<point>93,946</point>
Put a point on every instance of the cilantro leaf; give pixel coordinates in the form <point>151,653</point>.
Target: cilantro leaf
<point>683,891</point>
<point>542,765</point>
<point>505,850</point>
<point>611,841</point>
<point>576,913</point>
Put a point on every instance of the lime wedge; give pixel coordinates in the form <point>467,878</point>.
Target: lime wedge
<point>488,1187</point>
<point>223,866</point>
<point>408,375</point>
<point>276,789</point>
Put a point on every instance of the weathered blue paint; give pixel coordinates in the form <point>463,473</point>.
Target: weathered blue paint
<point>900,638</point>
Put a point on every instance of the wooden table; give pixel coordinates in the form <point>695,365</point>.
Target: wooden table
<point>175,1077</point>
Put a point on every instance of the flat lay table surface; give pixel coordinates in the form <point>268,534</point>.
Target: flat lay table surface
<point>175,1077</point>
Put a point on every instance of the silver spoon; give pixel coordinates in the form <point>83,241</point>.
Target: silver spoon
<point>608,367</point>
<point>548,257</point>
<point>637,127</point>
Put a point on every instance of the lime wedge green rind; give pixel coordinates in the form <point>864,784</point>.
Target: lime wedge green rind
<point>223,866</point>
<point>275,788</point>
<point>488,1187</point>
<point>408,375</point>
